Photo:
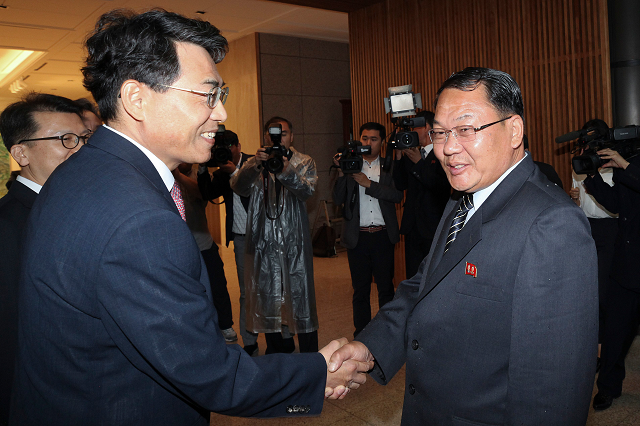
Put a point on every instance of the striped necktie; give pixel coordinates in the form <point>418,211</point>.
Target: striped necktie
<point>176,194</point>
<point>458,221</point>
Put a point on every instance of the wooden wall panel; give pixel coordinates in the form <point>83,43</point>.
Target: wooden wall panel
<point>557,50</point>
<point>240,71</point>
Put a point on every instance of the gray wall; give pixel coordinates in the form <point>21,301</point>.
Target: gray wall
<point>303,80</point>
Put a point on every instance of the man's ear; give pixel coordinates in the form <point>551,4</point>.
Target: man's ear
<point>134,96</point>
<point>19,153</point>
<point>517,129</point>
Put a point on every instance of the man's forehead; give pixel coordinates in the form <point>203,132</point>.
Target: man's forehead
<point>371,133</point>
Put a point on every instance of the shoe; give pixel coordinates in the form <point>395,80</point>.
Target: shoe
<point>252,350</point>
<point>229,335</point>
<point>602,401</point>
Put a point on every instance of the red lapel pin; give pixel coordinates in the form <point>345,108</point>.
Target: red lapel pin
<point>471,269</point>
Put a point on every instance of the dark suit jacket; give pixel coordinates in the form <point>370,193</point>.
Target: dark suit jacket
<point>346,192</point>
<point>550,173</point>
<point>116,326</point>
<point>622,198</point>
<point>428,191</point>
<point>218,186</point>
<point>14,210</point>
<point>501,329</point>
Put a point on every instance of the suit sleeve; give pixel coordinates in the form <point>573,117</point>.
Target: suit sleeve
<point>554,322</point>
<point>384,336</point>
<point>400,174</point>
<point>340,190</point>
<point>602,192</point>
<point>385,192</point>
<point>153,304</point>
<point>212,187</point>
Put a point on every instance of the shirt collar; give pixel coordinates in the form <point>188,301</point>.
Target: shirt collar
<point>427,149</point>
<point>29,184</point>
<point>163,170</point>
<point>374,162</point>
<point>479,197</point>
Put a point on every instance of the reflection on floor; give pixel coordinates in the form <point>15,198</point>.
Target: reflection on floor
<point>373,404</point>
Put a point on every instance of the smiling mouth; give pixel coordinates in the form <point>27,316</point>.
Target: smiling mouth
<point>208,135</point>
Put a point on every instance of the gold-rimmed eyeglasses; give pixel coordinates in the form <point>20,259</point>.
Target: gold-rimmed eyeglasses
<point>69,140</point>
<point>462,133</point>
<point>214,95</point>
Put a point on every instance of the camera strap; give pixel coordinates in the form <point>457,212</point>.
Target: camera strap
<point>278,187</point>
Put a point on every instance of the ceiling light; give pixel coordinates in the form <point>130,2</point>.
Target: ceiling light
<point>14,61</point>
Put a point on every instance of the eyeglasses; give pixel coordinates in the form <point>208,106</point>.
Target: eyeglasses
<point>462,133</point>
<point>69,140</point>
<point>213,96</point>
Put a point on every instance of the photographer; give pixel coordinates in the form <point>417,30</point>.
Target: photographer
<point>280,294</point>
<point>216,186</point>
<point>418,171</point>
<point>370,230</point>
<point>623,298</point>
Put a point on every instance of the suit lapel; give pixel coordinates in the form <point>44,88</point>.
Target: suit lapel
<point>21,192</point>
<point>115,144</point>
<point>441,264</point>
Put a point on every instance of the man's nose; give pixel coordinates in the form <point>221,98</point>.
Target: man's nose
<point>219,113</point>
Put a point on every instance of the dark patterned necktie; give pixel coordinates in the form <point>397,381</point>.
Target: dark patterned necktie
<point>458,221</point>
<point>176,194</point>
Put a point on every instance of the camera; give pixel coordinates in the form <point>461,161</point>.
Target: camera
<point>402,102</point>
<point>220,152</point>
<point>596,135</point>
<point>350,159</point>
<point>277,152</point>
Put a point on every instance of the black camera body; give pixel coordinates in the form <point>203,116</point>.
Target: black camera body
<point>277,152</point>
<point>350,159</point>
<point>590,140</point>
<point>404,137</point>
<point>220,152</point>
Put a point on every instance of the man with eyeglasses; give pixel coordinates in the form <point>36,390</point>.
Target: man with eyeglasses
<point>117,326</point>
<point>40,132</point>
<point>499,326</point>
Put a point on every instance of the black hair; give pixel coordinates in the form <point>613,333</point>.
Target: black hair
<point>17,121</point>
<point>525,142</point>
<point>372,125</point>
<point>86,105</point>
<point>502,90</point>
<point>428,116</point>
<point>276,119</point>
<point>125,45</point>
<point>230,138</point>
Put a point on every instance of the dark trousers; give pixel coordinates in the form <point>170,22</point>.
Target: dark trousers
<point>620,328</point>
<point>604,233</point>
<point>221,300</point>
<point>372,257</point>
<point>308,342</point>
<point>416,248</point>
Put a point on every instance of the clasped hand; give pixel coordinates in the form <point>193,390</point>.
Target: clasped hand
<point>347,367</point>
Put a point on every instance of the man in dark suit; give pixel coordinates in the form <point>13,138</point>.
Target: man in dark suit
<point>622,305</point>
<point>235,206</point>
<point>39,133</point>
<point>419,172</point>
<point>116,324</point>
<point>370,229</point>
<point>499,326</point>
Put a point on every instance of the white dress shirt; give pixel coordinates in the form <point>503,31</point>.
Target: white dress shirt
<point>370,213</point>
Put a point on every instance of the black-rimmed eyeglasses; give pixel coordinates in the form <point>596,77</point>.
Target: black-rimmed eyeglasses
<point>213,96</point>
<point>69,140</point>
<point>462,133</point>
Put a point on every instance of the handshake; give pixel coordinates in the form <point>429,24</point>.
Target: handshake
<point>347,367</point>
